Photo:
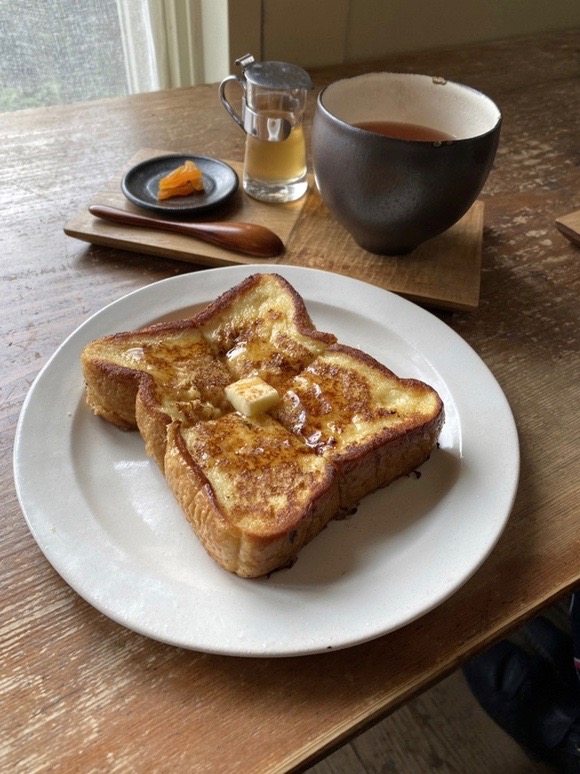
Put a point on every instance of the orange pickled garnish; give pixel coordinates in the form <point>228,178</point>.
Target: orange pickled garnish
<point>183,181</point>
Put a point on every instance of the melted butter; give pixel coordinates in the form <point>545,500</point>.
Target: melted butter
<point>135,353</point>
<point>238,350</point>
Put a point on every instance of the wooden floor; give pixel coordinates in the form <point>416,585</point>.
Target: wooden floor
<point>444,730</point>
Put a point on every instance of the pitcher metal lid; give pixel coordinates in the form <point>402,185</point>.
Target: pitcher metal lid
<point>274,75</point>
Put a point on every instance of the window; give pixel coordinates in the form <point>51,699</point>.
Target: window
<point>62,51</point>
<point>57,51</point>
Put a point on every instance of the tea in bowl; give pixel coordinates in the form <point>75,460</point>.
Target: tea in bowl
<point>399,158</point>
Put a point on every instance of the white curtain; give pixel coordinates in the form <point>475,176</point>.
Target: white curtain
<point>144,44</point>
<point>171,43</point>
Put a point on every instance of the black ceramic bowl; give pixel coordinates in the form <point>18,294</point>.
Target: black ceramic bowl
<point>393,194</point>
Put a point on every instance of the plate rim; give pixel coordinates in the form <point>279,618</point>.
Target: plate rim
<point>231,275</point>
<point>168,209</point>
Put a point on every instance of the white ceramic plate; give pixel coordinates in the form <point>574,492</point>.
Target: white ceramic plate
<point>102,514</point>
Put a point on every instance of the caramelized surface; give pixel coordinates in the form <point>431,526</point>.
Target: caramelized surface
<point>345,400</point>
<point>189,381</point>
<point>264,331</point>
<point>256,488</point>
<point>263,477</point>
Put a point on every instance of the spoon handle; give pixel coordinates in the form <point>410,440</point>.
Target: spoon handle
<point>248,238</point>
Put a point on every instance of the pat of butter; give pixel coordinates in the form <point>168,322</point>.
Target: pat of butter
<point>251,396</point>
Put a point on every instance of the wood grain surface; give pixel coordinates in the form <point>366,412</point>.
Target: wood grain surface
<point>443,272</point>
<point>81,693</point>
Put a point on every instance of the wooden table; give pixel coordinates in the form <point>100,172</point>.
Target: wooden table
<point>81,693</point>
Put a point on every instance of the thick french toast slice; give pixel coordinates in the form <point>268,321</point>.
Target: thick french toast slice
<point>262,328</point>
<point>147,378</point>
<point>253,492</point>
<point>256,489</point>
<point>178,370</point>
<point>371,425</point>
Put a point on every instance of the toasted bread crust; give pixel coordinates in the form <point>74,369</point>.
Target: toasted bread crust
<point>152,421</point>
<point>257,489</point>
<point>262,328</point>
<point>370,424</point>
<point>301,317</point>
<point>254,549</point>
<point>111,392</point>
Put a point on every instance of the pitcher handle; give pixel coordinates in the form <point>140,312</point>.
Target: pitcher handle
<point>224,101</point>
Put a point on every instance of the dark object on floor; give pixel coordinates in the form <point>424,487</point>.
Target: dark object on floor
<point>553,645</point>
<point>522,693</point>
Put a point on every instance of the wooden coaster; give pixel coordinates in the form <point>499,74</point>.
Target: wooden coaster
<point>443,272</point>
<point>569,225</point>
<point>279,218</point>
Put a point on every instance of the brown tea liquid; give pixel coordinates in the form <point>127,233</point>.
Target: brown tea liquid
<point>403,131</point>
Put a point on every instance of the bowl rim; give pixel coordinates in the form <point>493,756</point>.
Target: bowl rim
<point>434,78</point>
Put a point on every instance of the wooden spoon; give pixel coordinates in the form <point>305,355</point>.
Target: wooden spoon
<point>248,238</point>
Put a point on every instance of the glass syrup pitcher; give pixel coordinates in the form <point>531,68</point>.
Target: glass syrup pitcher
<point>273,102</point>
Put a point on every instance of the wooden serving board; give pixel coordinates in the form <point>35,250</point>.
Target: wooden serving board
<point>569,225</point>
<point>443,272</point>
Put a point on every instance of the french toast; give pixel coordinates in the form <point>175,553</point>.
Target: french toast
<point>370,425</point>
<point>144,379</point>
<point>330,426</point>
<point>178,370</point>
<point>252,491</point>
<point>262,328</point>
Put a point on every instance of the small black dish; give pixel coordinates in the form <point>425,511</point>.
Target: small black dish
<point>141,183</point>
